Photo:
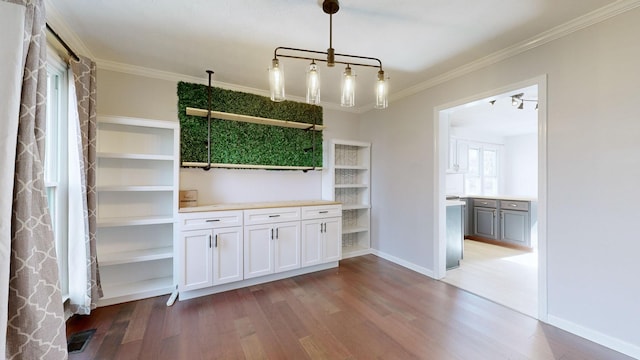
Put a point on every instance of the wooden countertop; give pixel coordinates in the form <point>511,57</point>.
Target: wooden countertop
<point>256,205</point>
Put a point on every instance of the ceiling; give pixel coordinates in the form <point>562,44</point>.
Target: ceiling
<point>499,118</point>
<point>416,41</point>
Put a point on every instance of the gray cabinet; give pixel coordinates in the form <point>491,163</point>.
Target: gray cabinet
<point>485,220</point>
<point>508,221</point>
<point>514,222</point>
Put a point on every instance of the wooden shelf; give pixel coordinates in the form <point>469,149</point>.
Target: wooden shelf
<point>253,119</point>
<point>134,221</point>
<point>128,156</point>
<point>249,166</point>
<point>136,256</point>
<point>353,251</point>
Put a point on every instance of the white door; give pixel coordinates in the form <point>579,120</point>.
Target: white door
<point>258,250</point>
<point>311,242</point>
<point>287,246</point>
<point>227,255</point>
<point>196,269</point>
<point>332,239</point>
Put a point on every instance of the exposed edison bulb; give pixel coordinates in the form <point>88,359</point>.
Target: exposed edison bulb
<point>348,88</point>
<point>382,91</point>
<point>313,84</point>
<point>276,81</point>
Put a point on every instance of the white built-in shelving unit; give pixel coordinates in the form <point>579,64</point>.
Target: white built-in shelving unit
<point>137,186</point>
<point>347,179</point>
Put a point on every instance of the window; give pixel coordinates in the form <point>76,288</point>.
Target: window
<point>483,177</point>
<point>55,159</point>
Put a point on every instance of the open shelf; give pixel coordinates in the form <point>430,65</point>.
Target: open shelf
<point>253,119</point>
<point>354,229</point>
<point>109,259</point>
<point>136,188</point>
<point>351,186</point>
<point>118,293</point>
<point>130,156</point>
<point>248,166</point>
<point>133,221</point>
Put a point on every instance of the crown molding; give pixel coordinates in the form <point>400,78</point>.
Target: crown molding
<point>579,23</point>
<point>55,20</point>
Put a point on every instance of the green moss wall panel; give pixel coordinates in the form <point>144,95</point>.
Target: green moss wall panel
<point>235,142</point>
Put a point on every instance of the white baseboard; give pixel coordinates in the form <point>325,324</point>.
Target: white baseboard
<point>595,336</point>
<point>404,263</point>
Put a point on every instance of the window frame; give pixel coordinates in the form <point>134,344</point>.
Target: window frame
<point>481,147</point>
<point>56,167</point>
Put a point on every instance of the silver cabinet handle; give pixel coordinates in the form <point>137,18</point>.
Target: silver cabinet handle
<point>209,241</point>
<point>213,220</point>
<point>485,203</point>
<point>274,216</point>
<point>276,233</point>
<point>216,244</point>
<point>514,205</point>
<point>271,234</point>
<point>323,212</point>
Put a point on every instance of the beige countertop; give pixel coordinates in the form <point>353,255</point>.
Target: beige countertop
<point>256,205</point>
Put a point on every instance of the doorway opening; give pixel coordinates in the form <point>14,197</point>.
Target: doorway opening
<point>491,153</point>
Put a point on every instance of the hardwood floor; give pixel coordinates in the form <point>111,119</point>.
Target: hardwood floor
<point>367,308</point>
<point>504,275</point>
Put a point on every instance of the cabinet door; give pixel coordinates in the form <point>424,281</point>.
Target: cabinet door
<point>311,242</point>
<point>332,239</point>
<point>485,222</point>
<point>196,268</point>
<point>227,255</point>
<point>515,226</point>
<point>287,246</point>
<point>258,250</point>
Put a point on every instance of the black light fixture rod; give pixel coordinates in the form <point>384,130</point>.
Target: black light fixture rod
<point>208,167</point>
<point>63,43</point>
<point>275,56</point>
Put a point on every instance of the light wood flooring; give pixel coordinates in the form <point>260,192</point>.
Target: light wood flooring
<point>368,308</point>
<point>504,275</point>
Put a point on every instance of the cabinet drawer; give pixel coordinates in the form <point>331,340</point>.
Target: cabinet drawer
<point>514,205</point>
<point>321,212</point>
<point>210,220</point>
<point>488,203</point>
<point>271,215</point>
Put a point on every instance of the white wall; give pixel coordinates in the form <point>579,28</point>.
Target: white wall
<point>593,171</point>
<point>521,165</point>
<point>137,96</point>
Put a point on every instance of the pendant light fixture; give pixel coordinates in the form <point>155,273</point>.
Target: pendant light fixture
<point>276,74</point>
<point>313,84</point>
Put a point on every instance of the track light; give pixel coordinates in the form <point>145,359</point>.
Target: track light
<point>276,75</point>
<point>516,100</point>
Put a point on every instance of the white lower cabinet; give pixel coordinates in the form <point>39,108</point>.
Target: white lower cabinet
<point>196,270</point>
<point>212,257</point>
<point>227,255</point>
<point>321,236</point>
<point>220,247</point>
<point>271,246</point>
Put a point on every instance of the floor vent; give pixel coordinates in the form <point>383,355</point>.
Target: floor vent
<point>78,341</point>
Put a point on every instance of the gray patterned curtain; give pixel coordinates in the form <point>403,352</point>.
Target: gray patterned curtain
<point>35,325</point>
<point>84,277</point>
